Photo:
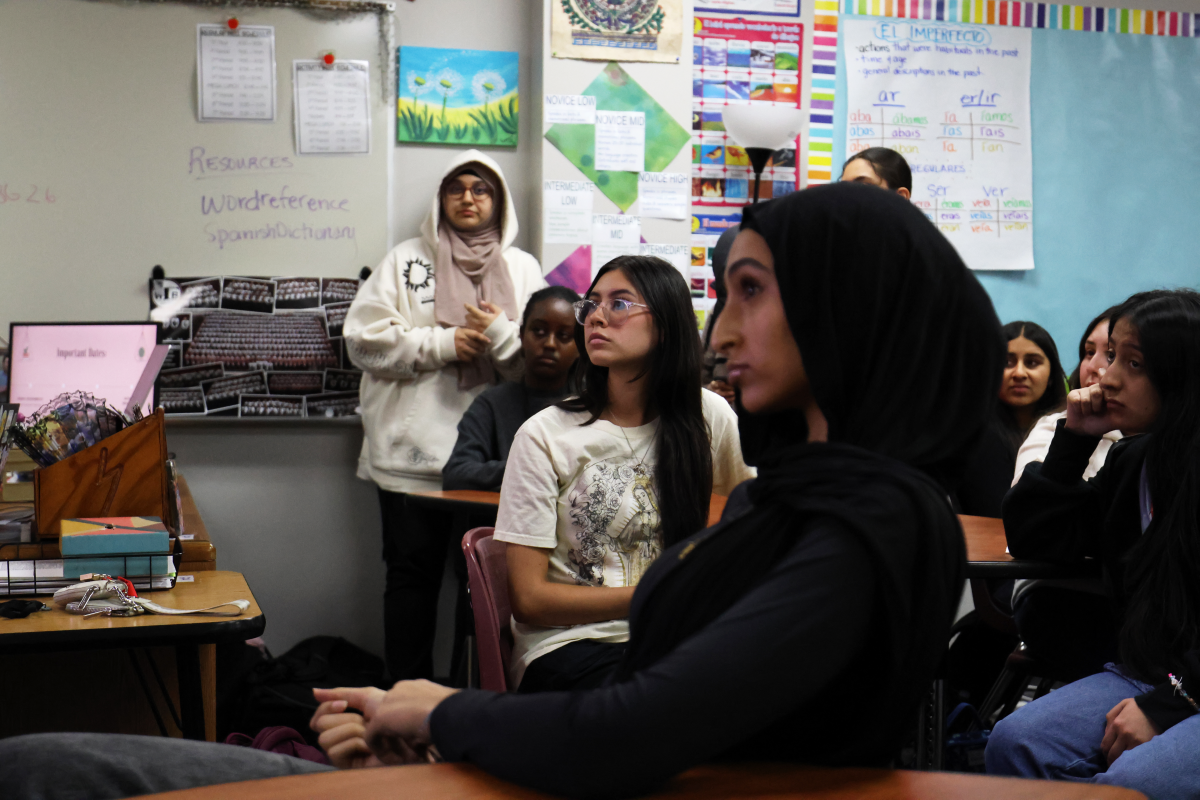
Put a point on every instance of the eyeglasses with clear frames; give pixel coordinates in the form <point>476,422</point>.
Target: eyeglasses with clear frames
<point>478,190</point>
<point>616,311</point>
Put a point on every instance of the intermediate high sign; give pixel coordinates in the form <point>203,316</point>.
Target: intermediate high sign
<point>953,99</point>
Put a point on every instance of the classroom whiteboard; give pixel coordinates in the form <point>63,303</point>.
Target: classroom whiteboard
<point>1114,120</point>
<point>105,170</point>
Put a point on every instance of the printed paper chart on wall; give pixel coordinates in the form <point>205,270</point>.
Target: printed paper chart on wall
<point>954,100</point>
<point>740,61</point>
<point>616,91</point>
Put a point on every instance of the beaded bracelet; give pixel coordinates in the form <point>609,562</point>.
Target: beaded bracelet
<point>1178,684</point>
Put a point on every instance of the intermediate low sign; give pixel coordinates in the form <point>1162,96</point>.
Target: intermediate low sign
<point>953,99</point>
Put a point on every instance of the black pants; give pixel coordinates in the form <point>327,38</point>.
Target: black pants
<point>1073,633</point>
<point>585,664</point>
<point>415,541</point>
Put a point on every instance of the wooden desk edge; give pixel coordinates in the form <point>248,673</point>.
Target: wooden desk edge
<point>422,782</point>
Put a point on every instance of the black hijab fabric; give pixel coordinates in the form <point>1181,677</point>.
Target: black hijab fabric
<point>904,355</point>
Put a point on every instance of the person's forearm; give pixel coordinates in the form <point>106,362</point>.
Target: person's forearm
<point>559,605</point>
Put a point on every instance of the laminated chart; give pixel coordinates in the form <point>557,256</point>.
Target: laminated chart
<point>953,99</point>
<point>739,61</point>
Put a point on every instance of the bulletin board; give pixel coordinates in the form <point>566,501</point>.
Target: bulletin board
<point>1114,104</point>
<point>105,170</point>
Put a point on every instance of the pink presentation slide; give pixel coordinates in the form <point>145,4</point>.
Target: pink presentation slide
<point>103,360</point>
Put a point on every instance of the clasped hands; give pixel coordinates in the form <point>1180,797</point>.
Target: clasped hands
<point>391,728</point>
<point>469,341</point>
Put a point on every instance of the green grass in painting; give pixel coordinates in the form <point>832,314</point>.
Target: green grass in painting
<point>491,124</point>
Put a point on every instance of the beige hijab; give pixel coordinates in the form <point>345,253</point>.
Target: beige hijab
<point>470,268</point>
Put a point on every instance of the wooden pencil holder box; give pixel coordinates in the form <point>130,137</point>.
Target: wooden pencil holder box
<point>124,475</point>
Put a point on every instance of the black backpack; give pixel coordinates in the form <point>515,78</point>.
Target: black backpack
<point>255,691</point>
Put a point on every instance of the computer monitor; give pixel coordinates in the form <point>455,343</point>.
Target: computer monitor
<point>105,359</point>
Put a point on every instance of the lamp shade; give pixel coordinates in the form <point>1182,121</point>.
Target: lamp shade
<point>771,127</point>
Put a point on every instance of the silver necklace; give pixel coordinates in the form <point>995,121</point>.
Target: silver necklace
<point>640,467</point>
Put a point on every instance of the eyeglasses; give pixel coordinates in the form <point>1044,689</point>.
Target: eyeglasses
<point>616,311</point>
<point>478,190</point>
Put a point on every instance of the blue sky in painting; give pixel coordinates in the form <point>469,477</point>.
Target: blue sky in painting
<point>465,70</point>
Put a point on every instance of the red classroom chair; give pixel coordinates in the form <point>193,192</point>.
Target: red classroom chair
<point>487,579</point>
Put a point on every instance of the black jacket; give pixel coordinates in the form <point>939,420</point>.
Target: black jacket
<point>1052,514</point>
<point>486,433</point>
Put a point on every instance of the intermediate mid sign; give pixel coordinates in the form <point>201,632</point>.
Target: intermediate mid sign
<point>953,99</point>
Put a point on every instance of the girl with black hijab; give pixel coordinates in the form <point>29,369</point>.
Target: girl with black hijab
<point>825,595</point>
<point>807,624</point>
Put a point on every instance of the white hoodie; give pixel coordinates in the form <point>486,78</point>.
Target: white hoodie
<point>411,403</point>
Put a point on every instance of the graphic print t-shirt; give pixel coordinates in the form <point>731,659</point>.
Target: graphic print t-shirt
<point>586,492</point>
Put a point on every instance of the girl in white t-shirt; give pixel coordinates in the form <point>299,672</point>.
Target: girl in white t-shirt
<point>595,488</point>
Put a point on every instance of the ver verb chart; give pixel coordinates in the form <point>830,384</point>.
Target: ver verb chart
<point>953,99</point>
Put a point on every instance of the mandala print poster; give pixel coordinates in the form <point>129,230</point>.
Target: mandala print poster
<point>617,30</point>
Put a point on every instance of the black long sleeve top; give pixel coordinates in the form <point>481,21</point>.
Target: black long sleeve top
<point>783,675</point>
<point>1053,514</point>
<point>486,432</point>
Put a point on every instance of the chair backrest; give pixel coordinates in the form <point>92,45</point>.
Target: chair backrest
<point>487,575</point>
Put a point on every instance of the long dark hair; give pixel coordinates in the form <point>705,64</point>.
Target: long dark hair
<point>683,476</point>
<point>889,165</point>
<point>1055,396</point>
<point>1162,617</point>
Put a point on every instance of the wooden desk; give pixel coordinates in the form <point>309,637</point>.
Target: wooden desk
<point>987,555</point>
<point>57,631</point>
<point>464,502</point>
<point>464,782</point>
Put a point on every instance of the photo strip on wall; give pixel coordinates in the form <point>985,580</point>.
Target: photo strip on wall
<point>257,347</point>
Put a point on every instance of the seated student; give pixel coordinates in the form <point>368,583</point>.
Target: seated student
<point>822,599</point>
<point>879,166</point>
<point>1033,385</point>
<point>1093,360</point>
<point>601,484</point>
<point>1134,724</point>
<point>486,431</point>
<point>714,370</point>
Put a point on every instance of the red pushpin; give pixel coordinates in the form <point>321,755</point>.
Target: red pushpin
<point>328,59</point>
<point>232,23</point>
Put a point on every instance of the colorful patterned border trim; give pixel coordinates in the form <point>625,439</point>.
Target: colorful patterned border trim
<point>824,74</point>
<point>982,12</point>
<point>1034,15</point>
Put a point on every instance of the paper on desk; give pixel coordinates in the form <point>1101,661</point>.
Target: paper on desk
<point>621,140</point>
<point>614,235</point>
<point>333,107</point>
<point>567,212</point>
<point>235,72</point>
<point>665,195</point>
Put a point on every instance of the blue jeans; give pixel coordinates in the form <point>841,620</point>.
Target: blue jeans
<point>1058,737</point>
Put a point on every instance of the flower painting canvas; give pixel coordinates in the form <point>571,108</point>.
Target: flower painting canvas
<point>466,97</point>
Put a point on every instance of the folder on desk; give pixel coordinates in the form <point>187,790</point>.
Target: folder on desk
<point>102,536</point>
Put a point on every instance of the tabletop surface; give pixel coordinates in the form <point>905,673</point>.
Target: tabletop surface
<point>985,539</point>
<point>465,782</point>
<point>206,589</point>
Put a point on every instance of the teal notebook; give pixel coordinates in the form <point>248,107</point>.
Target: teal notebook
<point>126,567</point>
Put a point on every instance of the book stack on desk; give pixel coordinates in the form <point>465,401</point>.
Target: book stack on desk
<point>137,548</point>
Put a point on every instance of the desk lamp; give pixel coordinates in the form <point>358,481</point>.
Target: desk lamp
<point>761,130</point>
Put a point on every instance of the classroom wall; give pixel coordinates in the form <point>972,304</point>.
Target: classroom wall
<point>474,25</point>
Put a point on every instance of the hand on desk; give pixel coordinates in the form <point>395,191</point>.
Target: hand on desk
<point>391,729</point>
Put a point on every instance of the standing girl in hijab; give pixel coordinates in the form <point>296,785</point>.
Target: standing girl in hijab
<point>825,595</point>
<point>434,325</point>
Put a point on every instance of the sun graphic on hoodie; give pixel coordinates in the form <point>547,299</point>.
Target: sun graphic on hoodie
<point>417,274</point>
